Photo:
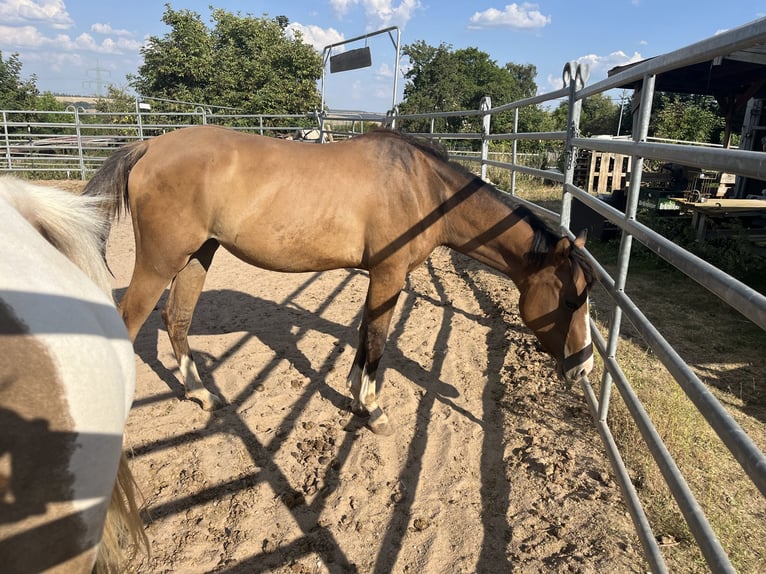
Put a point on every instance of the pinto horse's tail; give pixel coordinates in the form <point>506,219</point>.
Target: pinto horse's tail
<point>73,225</point>
<point>123,526</point>
<point>110,183</point>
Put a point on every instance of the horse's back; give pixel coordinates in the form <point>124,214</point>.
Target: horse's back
<point>278,204</point>
<point>65,349</point>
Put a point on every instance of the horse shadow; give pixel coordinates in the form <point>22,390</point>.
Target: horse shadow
<point>221,311</point>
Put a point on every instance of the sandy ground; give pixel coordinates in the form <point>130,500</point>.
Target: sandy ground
<point>495,465</point>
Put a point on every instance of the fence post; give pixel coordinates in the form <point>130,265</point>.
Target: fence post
<point>485,105</point>
<point>575,76</point>
<point>514,150</point>
<point>140,125</point>
<point>640,131</point>
<point>7,140</point>
<point>78,132</point>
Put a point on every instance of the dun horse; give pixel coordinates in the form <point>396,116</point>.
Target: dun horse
<point>67,374</point>
<point>380,202</point>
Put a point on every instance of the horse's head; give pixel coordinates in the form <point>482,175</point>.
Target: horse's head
<point>554,304</point>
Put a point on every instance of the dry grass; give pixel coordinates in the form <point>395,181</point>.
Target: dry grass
<point>726,352</point>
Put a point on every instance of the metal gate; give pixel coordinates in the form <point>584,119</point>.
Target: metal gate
<point>739,42</point>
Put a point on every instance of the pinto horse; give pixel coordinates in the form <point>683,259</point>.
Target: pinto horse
<point>67,375</point>
<point>380,202</point>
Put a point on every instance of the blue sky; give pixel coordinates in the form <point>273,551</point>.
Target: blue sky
<point>78,46</point>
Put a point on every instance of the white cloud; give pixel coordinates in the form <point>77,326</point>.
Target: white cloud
<point>56,61</point>
<point>86,42</point>
<point>316,36</point>
<point>384,71</point>
<point>379,13</point>
<point>599,66</point>
<point>524,16</point>
<point>22,36</point>
<point>341,7</point>
<point>50,12</point>
<point>106,30</point>
<point>30,37</point>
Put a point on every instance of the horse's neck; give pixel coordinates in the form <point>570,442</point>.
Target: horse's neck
<point>485,228</point>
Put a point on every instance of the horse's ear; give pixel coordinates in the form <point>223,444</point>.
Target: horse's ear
<point>563,248</point>
<point>581,238</point>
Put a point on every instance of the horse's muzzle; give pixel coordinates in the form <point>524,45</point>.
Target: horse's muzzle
<point>577,365</point>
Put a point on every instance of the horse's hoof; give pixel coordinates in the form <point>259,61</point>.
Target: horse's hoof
<point>382,428</point>
<point>378,422</point>
<point>207,400</point>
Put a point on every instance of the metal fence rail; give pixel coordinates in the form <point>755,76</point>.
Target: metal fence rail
<point>732,292</point>
<point>75,143</point>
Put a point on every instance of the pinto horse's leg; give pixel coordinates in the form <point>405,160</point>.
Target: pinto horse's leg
<point>177,315</point>
<point>382,295</point>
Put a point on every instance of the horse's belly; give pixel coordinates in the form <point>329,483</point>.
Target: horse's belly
<point>298,245</point>
<point>294,257</point>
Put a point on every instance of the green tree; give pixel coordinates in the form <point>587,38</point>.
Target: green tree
<point>243,62</point>
<point>599,116</point>
<point>47,102</point>
<point>443,79</point>
<point>117,99</point>
<point>16,93</point>
<point>688,118</point>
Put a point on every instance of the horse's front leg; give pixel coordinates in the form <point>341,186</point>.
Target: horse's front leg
<point>381,300</point>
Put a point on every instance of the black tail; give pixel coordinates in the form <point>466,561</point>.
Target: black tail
<point>110,184</point>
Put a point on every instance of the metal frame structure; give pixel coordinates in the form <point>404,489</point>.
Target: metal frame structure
<point>327,52</point>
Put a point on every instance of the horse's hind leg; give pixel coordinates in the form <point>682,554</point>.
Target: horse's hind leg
<point>177,314</point>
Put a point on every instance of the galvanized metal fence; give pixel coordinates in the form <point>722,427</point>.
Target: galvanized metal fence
<point>75,143</point>
<point>732,292</point>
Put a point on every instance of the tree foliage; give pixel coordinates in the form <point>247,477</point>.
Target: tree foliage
<point>242,62</point>
<point>599,116</point>
<point>443,79</point>
<point>117,99</point>
<point>16,93</point>
<point>688,118</point>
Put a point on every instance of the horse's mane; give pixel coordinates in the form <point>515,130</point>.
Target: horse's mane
<point>544,237</point>
<point>428,146</point>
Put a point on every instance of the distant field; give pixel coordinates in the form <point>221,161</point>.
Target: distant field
<point>90,100</point>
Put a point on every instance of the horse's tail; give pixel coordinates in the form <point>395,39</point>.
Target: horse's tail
<point>110,182</point>
<point>73,224</point>
<point>123,527</point>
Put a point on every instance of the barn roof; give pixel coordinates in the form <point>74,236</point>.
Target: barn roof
<point>736,77</point>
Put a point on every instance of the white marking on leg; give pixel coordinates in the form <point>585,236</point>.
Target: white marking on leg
<point>193,383</point>
<point>367,393</point>
<point>189,373</point>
